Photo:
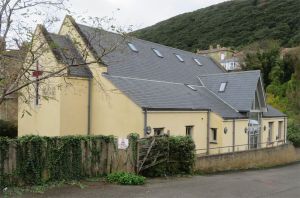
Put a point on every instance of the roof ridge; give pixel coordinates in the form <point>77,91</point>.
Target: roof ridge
<point>132,37</point>
<point>228,73</point>
<point>150,80</point>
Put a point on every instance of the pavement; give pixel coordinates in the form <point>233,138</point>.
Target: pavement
<point>281,182</point>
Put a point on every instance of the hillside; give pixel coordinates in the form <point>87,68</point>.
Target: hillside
<point>234,23</point>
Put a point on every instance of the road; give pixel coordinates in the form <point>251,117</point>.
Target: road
<point>283,182</point>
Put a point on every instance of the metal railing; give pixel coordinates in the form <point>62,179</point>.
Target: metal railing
<point>240,147</point>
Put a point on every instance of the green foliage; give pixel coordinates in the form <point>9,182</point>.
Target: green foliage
<point>233,24</point>
<point>8,129</point>
<point>126,178</point>
<point>294,134</point>
<point>181,157</point>
<point>45,159</point>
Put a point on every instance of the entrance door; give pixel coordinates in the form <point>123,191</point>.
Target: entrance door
<point>253,134</point>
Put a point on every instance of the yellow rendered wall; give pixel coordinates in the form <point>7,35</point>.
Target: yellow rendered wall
<point>265,130</point>
<point>74,106</point>
<point>175,123</point>
<point>241,138</point>
<point>112,112</point>
<point>43,119</point>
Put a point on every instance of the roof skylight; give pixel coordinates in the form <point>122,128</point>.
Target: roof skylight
<point>197,61</point>
<point>157,53</point>
<point>222,87</point>
<point>132,47</point>
<point>191,87</point>
<point>179,57</point>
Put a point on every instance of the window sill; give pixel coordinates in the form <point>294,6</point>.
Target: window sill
<point>213,142</point>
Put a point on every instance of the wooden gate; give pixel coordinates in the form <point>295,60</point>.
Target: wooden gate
<point>152,151</point>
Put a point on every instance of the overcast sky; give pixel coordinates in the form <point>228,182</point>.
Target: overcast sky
<point>138,13</point>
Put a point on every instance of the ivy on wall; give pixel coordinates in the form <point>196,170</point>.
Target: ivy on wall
<point>42,159</point>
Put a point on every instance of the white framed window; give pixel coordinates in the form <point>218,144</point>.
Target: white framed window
<point>158,131</point>
<point>189,131</point>
<point>280,129</point>
<point>157,53</point>
<point>132,47</point>
<point>222,86</point>
<point>198,62</point>
<point>179,57</point>
<point>213,135</point>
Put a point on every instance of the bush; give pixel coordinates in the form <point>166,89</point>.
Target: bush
<point>181,157</point>
<point>294,134</point>
<point>8,129</point>
<point>126,178</point>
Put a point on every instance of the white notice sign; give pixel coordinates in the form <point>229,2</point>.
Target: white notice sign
<point>123,143</point>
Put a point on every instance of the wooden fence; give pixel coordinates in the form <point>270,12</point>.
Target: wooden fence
<point>98,157</point>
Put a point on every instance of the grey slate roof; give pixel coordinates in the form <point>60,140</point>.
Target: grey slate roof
<point>165,95</point>
<point>67,53</point>
<point>145,64</point>
<point>240,89</point>
<point>272,112</point>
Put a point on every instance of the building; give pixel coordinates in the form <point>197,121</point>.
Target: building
<point>10,63</point>
<point>150,89</point>
<point>223,55</point>
<point>231,64</point>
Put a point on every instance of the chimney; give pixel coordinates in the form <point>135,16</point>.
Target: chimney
<point>218,46</point>
<point>211,47</point>
<point>2,44</point>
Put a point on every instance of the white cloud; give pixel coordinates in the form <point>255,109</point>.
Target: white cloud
<point>139,13</point>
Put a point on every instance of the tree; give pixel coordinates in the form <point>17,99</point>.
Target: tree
<point>16,69</point>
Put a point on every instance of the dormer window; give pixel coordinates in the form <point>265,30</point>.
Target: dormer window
<point>198,62</point>
<point>157,53</point>
<point>179,57</point>
<point>222,86</point>
<point>132,47</point>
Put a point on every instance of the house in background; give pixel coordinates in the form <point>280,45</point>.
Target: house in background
<point>11,61</point>
<point>223,55</point>
<point>150,89</point>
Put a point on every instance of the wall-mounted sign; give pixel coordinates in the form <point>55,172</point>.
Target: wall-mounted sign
<point>123,143</point>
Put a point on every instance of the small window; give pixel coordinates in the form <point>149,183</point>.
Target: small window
<point>132,47</point>
<point>222,87</point>
<point>197,61</point>
<point>280,127</point>
<point>158,131</point>
<point>189,131</point>
<point>179,58</point>
<point>213,135</point>
<point>157,53</point>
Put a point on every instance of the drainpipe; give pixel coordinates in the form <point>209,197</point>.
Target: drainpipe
<point>233,135</point>
<point>208,132</point>
<point>145,122</point>
<point>284,129</point>
<point>89,106</point>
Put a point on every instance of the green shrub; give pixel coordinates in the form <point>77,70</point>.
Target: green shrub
<point>181,157</point>
<point>125,178</point>
<point>294,134</point>
<point>8,129</point>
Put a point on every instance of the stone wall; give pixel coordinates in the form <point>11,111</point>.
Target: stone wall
<point>260,158</point>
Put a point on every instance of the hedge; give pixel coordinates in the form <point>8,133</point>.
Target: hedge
<point>294,134</point>
<point>181,157</point>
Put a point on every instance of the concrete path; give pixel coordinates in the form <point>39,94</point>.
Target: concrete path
<point>283,182</point>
